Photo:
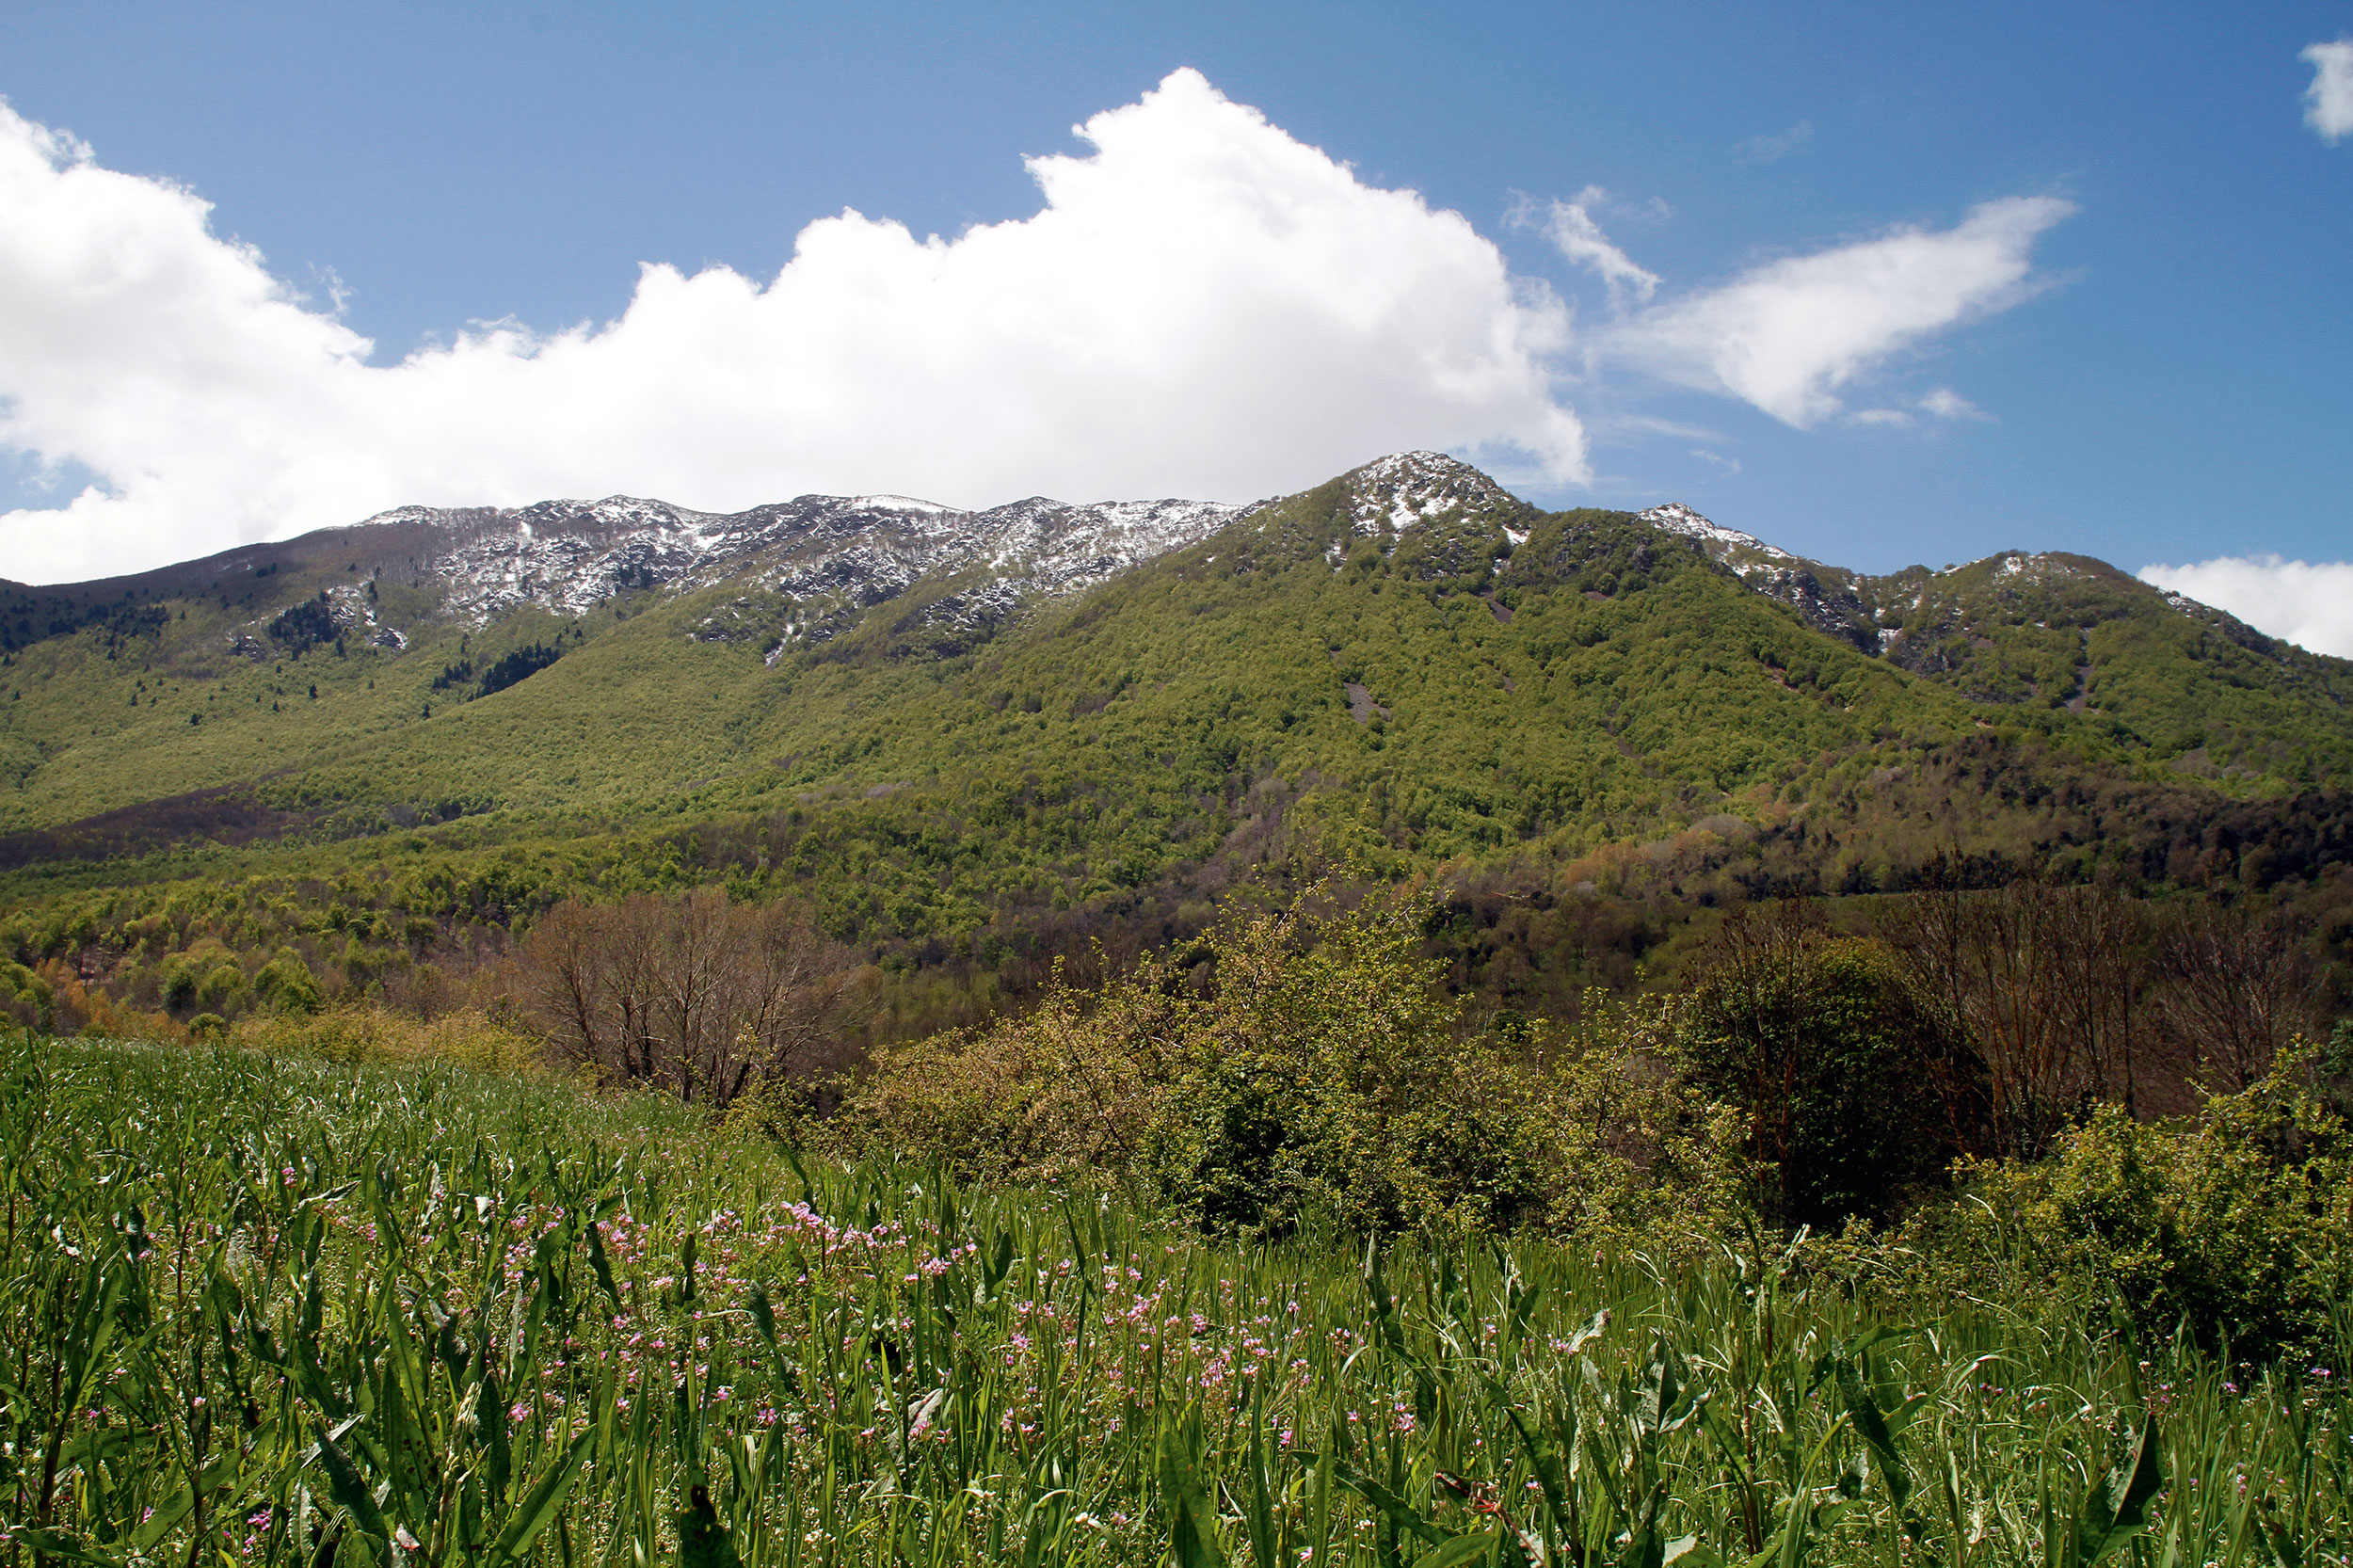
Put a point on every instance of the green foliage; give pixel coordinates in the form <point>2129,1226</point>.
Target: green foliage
<point>1326,1072</point>
<point>515,665</point>
<point>2065,640</point>
<point>27,994</point>
<point>1304,1065</point>
<point>303,626</point>
<point>1579,745</point>
<point>1091,746</point>
<point>287,983</point>
<point>2238,1223</point>
<point>267,1310</point>
<point>1853,1079</point>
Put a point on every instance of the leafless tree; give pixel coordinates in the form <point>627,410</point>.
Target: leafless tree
<point>2240,985</point>
<point>2047,983</point>
<point>2096,940</point>
<point>708,998</point>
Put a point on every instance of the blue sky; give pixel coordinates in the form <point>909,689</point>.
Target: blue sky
<point>2163,374</point>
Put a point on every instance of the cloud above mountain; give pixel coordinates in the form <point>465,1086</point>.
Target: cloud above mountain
<point>2309,603</point>
<point>1202,305</point>
<point>1786,335</point>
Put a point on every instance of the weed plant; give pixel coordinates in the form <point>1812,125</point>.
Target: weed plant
<point>265,1308</point>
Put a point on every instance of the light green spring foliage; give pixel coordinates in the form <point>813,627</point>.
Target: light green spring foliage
<point>2238,1222</point>
<point>252,1306</point>
<point>1308,1063</point>
<point>1093,744</point>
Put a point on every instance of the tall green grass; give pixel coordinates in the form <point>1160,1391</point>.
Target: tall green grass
<point>261,1309</point>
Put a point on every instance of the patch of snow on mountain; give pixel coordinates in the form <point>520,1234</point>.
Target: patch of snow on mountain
<point>1719,541</point>
<point>1393,493</point>
<point>569,556</point>
<point>897,503</point>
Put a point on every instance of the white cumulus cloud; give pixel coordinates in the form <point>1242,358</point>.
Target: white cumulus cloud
<point>2328,102</point>
<point>1201,306</point>
<point>1786,335</point>
<point>2310,604</point>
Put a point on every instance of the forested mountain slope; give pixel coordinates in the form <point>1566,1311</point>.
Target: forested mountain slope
<point>930,718</point>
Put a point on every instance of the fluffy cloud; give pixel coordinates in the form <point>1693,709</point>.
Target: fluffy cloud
<point>1201,306</point>
<point>1785,336</point>
<point>2310,604</point>
<point>2328,102</point>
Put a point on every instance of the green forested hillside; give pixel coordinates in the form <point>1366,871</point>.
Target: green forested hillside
<point>1405,669</point>
<point>2166,678</point>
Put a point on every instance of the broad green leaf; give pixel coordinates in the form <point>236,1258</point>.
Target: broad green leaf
<point>1192,1517</point>
<point>2116,1508</point>
<point>349,1489</point>
<point>539,1507</point>
<point>1462,1549</point>
<point>65,1543</point>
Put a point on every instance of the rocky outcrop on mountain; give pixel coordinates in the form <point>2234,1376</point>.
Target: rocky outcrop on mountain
<point>1823,596</point>
<point>569,556</point>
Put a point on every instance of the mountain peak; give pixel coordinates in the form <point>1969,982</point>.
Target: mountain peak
<point>1406,487</point>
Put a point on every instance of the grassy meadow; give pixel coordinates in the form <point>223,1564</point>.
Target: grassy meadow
<point>265,1308</point>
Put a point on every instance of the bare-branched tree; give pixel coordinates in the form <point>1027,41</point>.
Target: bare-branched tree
<point>2242,984</point>
<point>705,998</point>
<point>2046,982</point>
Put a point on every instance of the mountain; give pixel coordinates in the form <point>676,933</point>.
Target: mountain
<point>947,727</point>
<point>401,586</point>
<point>827,555</point>
<point>2168,678</point>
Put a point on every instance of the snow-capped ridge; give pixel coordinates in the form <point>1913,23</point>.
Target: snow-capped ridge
<point>1743,552</point>
<point>1393,493</point>
<point>569,556</point>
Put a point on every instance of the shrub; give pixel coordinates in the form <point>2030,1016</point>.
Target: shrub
<point>1306,1062</point>
<point>376,1035</point>
<point>25,996</point>
<point>2238,1222</point>
<point>1857,1086</point>
<point>287,983</point>
<point>222,987</point>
